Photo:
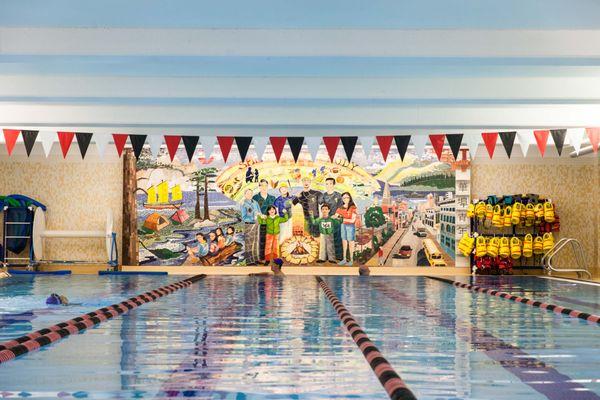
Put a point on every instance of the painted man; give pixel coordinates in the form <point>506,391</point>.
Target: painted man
<point>310,200</point>
<point>333,199</point>
<point>264,200</point>
<point>250,212</point>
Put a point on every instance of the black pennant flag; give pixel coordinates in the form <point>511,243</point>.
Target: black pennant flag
<point>190,143</point>
<point>455,140</point>
<point>349,143</point>
<point>402,142</point>
<point>243,144</point>
<point>559,139</point>
<point>295,143</point>
<point>83,141</point>
<point>508,140</point>
<point>137,142</point>
<point>29,139</point>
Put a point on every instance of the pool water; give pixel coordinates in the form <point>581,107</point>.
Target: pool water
<point>270,338</point>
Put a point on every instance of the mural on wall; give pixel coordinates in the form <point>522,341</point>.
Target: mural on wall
<point>208,212</point>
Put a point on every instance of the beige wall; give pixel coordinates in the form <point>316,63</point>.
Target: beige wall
<point>574,185</point>
<point>76,193</point>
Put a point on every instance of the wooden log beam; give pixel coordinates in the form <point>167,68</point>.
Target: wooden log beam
<point>130,237</point>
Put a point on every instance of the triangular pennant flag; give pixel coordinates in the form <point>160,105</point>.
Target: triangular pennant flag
<point>83,141</point>
<point>295,143</point>
<point>331,144</point>
<point>437,141</point>
<point>559,135</point>
<point>172,142</point>
<point>137,142</point>
<point>10,137</point>
<point>508,141</point>
<point>455,140</point>
<point>367,144</point>
<point>47,139</point>
<point>385,143</point>
<point>101,140</point>
<point>419,141</point>
<point>120,139</point>
<point>243,144</point>
<point>313,143</point>
<point>349,143</point>
<point>525,140</point>
<point>29,140</point>
<point>402,142</point>
<point>490,139</point>
<point>277,143</point>
<point>225,143</point>
<point>155,142</point>
<point>208,145</point>
<point>472,142</point>
<point>260,144</point>
<point>65,139</point>
<point>190,143</point>
<point>541,137</point>
<point>576,136</point>
<point>594,136</point>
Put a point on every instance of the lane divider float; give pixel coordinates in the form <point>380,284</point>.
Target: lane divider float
<point>390,380</point>
<point>524,300</point>
<point>43,337</point>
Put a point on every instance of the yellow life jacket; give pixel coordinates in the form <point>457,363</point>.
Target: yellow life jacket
<point>548,241</point>
<point>528,246</point>
<point>508,216</point>
<point>548,212</point>
<point>492,247</point>
<point>515,248</point>
<point>538,245</point>
<point>481,246</point>
<point>516,213</point>
<point>504,250</point>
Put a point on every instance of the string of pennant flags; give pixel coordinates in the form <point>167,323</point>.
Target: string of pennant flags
<point>190,143</point>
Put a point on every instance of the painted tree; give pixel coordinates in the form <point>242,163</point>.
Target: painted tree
<point>200,179</point>
<point>374,218</point>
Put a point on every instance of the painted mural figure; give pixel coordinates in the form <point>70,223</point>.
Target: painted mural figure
<point>264,200</point>
<point>326,225</point>
<point>250,212</point>
<point>249,175</point>
<point>284,204</point>
<point>333,199</point>
<point>309,199</point>
<point>272,223</point>
<point>348,213</point>
<point>201,248</point>
<point>256,175</point>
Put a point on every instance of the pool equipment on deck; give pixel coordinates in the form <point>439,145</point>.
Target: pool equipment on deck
<point>40,233</point>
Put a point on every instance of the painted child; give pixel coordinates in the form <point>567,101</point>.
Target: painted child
<point>250,212</point>
<point>213,247</point>
<point>201,249</point>
<point>326,226</point>
<point>348,213</point>
<point>272,222</point>
<point>229,235</point>
<point>284,202</point>
<point>221,240</point>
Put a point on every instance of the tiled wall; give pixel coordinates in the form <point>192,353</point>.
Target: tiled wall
<point>574,187</point>
<point>77,195</point>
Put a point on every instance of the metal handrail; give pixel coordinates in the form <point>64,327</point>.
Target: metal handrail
<point>579,257</point>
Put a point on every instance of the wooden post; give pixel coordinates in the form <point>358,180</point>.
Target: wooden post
<point>129,236</point>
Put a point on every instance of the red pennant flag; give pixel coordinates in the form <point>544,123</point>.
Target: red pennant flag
<point>490,139</point>
<point>594,136</point>
<point>120,140</point>
<point>65,139</point>
<point>541,137</point>
<point>277,143</point>
<point>437,141</point>
<point>225,143</point>
<point>331,143</point>
<point>172,142</point>
<point>10,136</point>
<point>385,143</point>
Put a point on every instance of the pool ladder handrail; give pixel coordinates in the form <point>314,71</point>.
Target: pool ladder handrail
<point>579,257</point>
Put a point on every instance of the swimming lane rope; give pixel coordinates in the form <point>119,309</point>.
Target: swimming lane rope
<point>524,300</point>
<point>391,381</point>
<point>35,340</point>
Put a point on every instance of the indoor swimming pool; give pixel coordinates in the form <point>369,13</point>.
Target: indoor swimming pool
<point>238,337</point>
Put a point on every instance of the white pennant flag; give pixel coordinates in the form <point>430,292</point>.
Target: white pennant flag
<point>526,138</point>
<point>47,139</point>
<point>472,141</point>
<point>419,141</point>
<point>367,144</point>
<point>208,144</point>
<point>155,142</point>
<point>576,136</point>
<point>313,143</point>
<point>101,140</point>
<point>260,144</point>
